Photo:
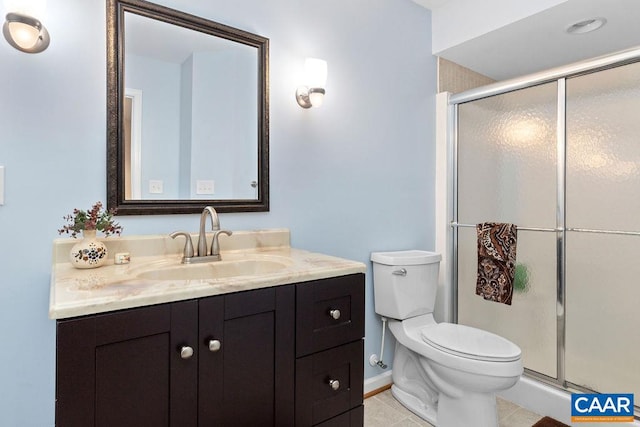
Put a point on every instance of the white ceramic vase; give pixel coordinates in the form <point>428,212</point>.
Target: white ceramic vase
<point>88,252</point>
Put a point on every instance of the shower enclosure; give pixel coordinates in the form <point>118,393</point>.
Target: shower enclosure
<point>558,154</point>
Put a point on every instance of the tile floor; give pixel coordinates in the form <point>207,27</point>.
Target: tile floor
<point>382,410</point>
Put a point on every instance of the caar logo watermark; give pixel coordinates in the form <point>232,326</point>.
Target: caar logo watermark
<point>591,408</point>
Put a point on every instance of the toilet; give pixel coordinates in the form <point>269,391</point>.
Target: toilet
<point>446,373</point>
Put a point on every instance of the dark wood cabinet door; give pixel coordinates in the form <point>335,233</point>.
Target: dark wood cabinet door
<point>246,375</point>
<point>125,368</point>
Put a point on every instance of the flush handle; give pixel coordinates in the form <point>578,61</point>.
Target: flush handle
<point>214,345</point>
<point>401,272</point>
<point>335,314</point>
<point>186,352</point>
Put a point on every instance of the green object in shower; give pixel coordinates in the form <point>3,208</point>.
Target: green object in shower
<point>521,279</point>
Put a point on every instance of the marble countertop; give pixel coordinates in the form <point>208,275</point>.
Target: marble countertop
<point>75,292</point>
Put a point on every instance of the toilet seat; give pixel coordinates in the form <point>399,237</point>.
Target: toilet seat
<point>471,343</point>
<point>409,334</point>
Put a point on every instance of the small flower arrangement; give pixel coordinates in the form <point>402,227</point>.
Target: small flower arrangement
<point>94,219</point>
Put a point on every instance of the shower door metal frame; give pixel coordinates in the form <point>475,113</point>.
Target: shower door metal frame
<point>560,76</point>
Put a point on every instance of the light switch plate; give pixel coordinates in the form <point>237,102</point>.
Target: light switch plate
<point>1,185</point>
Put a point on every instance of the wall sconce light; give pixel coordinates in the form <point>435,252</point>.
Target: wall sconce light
<point>315,77</point>
<point>22,30</point>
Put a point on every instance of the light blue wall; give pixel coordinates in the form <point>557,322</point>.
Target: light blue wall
<point>225,115</point>
<point>352,177</point>
<point>160,83</point>
<point>186,118</point>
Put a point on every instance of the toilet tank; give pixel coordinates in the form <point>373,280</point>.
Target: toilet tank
<point>405,282</point>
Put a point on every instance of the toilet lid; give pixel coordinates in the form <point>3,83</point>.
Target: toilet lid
<point>471,343</point>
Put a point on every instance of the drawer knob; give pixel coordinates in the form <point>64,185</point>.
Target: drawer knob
<point>186,352</point>
<point>214,345</point>
<point>334,384</point>
<point>335,314</point>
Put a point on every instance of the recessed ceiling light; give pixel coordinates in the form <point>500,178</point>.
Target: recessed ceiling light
<point>586,26</point>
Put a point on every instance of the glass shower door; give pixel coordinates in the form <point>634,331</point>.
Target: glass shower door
<point>603,196</point>
<point>507,172</point>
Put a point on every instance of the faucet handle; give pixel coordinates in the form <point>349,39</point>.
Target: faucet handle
<point>215,245</point>
<point>188,245</point>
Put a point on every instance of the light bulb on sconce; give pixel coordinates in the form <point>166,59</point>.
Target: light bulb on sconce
<point>315,78</point>
<point>21,29</point>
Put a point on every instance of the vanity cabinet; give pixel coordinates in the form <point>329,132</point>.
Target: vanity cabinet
<point>223,360</point>
<point>239,359</point>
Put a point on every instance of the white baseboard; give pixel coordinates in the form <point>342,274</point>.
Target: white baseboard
<point>374,383</point>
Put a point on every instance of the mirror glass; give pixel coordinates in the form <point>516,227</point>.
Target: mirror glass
<point>188,117</point>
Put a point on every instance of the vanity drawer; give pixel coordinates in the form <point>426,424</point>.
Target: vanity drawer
<point>353,418</point>
<point>329,313</point>
<point>329,383</point>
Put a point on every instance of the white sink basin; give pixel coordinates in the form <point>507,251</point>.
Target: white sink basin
<point>215,270</point>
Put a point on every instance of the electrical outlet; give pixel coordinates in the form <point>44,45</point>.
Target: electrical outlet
<point>156,186</point>
<point>204,186</point>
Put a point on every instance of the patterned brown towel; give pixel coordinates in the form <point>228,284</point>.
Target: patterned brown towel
<point>496,261</point>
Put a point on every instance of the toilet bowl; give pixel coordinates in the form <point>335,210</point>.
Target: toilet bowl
<point>446,373</point>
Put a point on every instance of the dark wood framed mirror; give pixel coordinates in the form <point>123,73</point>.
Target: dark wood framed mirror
<point>187,113</point>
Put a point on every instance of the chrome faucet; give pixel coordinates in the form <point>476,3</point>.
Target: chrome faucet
<point>215,226</point>
<point>204,254</point>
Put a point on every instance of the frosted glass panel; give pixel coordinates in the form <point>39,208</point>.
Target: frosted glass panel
<point>507,158</point>
<point>603,293</point>
<point>530,321</point>
<point>603,149</point>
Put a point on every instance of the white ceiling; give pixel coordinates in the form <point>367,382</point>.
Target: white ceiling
<point>539,42</point>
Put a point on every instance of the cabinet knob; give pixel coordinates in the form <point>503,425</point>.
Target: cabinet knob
<point>334,384</point>
<point>186,352</point>
<point>214,345</point>
<point>335,314</point>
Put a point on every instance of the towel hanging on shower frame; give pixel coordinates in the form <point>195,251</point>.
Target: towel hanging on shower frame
<point>496,261</point>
